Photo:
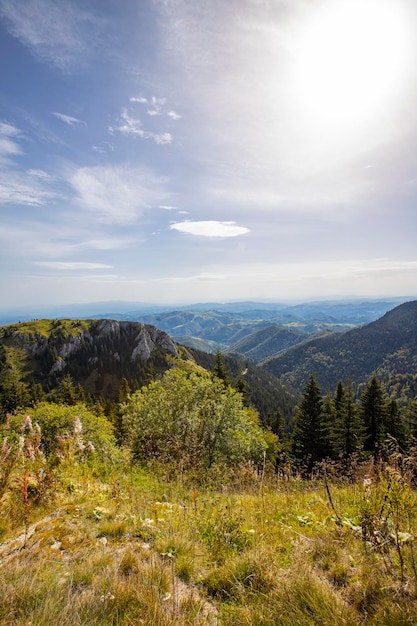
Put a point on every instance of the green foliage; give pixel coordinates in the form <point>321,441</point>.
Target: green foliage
<point>373,409</point>
<point>57,425</point>
<point>192,420</point>
<point>310,436</point>
<point>260,388</point>
<point>387,346</point>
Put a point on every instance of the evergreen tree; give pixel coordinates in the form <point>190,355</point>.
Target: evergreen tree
<point>327,423</point>
<point>394,423</point>
<point>349,431</point>
<point>310,442</point>
<point>66,393</point>
<point>220,370</point>
<point>124,391</point>
<point>411,419</point>
<point>373,411</point>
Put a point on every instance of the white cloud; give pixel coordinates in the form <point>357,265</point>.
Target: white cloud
<point>161,138</point>
<point>210,228</point>
<point>16,189</point>
<point>60,33</point>
<point>173,115</point>
<point>8,147</point>
<point>8,129</point>
<point>157,106</point>
<point>117,194</point>
<point>139,99</point>
<point>133,126</point>
<point>68,119</point>
<point>40,174</point>
<point>71,265</point>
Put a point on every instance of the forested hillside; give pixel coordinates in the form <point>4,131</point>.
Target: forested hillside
<point>97,360</point>
<point>54,358</point>
<point>387,347</point>
<point>267,342</point>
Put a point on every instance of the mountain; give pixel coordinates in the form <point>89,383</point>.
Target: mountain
<point>95,353</point>
<point>266,342</point>
<point>387,347</point>
<point>219,324</point>
<point>212,326</point>
<point>42,357</point>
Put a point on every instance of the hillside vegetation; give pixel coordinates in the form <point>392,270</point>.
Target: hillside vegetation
<point>95,538</point>
<point>91,360</point>
<point>387,347</point>
<point>180,505</point>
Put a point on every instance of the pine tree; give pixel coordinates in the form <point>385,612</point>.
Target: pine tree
<point>394,423</point>
<point>349,431</point>
<point>373,410</point>
<point>220,370</point>
<point>310,439</point>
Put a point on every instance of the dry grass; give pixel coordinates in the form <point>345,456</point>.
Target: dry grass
<point>134,550</point>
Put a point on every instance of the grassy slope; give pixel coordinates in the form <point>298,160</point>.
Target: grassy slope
<point>128,548</point>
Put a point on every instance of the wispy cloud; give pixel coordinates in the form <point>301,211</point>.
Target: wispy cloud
<point>117,194</point>
<point>71,265</point>
<point>68,119</point>
<point>210,228</point>
<point>61,34</point>
<point>39,174</point>
<point>8,146</point>
<point>131,126</point>
<point>156,106</point>
<point>15,188</point>
<point>8,129</point>
<point>174,115</point>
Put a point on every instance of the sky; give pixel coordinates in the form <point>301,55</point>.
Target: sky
<point>178,151</point>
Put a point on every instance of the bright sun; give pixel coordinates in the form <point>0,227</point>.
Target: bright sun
<point>351,59</point>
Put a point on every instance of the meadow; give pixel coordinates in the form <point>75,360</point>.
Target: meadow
<point>85,541</point>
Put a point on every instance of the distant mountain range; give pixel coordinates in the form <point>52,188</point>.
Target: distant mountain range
<point>386,347</point>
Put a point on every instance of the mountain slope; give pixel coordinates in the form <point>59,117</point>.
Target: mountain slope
<point>267,342</point>
<point>95,353</point>
<point>98,354</point>
<point>387,347</point>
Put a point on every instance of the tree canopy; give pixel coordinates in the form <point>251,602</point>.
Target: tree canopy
<point>192,419</point>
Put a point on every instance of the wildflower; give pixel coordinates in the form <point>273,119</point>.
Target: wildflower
<point>5,451</point>
<point>367,481</point>
<point>26,423</point>
<point>107,596</point>
<point>21,443</point>
<point>77,426</point>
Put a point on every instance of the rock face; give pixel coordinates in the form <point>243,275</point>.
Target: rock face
<point>95,353</point>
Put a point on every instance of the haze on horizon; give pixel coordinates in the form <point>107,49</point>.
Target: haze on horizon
<point>191,151</point>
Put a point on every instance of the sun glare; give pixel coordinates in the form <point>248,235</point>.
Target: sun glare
<point>351,60</point>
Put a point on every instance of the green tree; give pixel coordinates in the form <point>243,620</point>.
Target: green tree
<point>394,423</point>
<point>220,369</point>
<point>373,411</point>
<point>193,420</point>
<point>348,432</point>
<point>310,440</point>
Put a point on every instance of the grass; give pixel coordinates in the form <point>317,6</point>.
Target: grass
<point>134,549</point>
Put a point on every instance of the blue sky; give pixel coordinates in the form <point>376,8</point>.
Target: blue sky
<point>177,151</point>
